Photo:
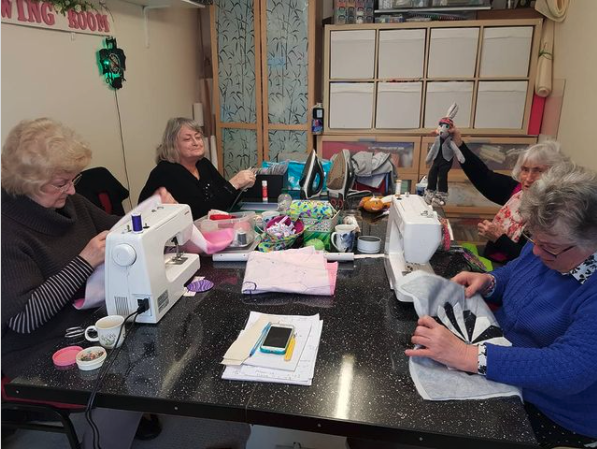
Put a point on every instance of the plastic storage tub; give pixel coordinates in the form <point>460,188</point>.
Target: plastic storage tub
<point>243,224</point>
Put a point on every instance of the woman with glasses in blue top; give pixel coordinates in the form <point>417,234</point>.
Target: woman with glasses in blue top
<point>548,311</point>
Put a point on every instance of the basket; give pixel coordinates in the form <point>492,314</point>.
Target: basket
<point>318,216</point>
<point>271,242</point>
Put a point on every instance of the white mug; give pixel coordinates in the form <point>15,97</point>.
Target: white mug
<point>107,329</point>
<point>343,237</point>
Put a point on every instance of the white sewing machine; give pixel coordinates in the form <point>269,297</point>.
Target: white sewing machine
<point>137,268</point>
<point>412,237</point>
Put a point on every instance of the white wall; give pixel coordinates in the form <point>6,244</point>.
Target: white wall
<point>575,60</point>
<point>55,74</point>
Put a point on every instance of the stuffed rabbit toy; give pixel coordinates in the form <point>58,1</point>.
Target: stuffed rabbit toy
<point>437,187</point>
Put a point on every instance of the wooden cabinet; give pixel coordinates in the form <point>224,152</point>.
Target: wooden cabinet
<point>265,56</point>
<point>402,78</point>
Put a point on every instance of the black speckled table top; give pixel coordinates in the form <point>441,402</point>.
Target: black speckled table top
<point>362,387</point>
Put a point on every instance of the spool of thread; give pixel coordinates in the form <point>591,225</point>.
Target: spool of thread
<point>137,223</point>
<point>241,237</point>
<point>264,191</point>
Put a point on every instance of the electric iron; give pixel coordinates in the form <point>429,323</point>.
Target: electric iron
<point>340,181</point>
<point>312,172</point>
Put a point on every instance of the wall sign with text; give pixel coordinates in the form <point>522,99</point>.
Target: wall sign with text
<point>43,15</point>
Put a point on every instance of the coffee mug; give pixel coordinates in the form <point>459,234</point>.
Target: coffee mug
<point>343,237</point>
<point>107,329</point>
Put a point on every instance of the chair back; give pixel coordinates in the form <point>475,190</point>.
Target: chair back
<point>100,187</point>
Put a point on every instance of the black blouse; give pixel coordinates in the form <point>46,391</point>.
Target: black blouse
<point>210,191</point>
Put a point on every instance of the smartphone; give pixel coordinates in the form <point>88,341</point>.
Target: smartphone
<point>277,339</point>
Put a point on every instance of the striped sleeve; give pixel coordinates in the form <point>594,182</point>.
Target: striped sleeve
<point>51,296</point>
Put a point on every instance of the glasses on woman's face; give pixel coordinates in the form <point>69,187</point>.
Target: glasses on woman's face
<point>67,185</point>
<point>541,246</point>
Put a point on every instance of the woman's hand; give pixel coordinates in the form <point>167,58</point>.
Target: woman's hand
<point>243,179</point>
<point>165,196</point>
<point>456,136</point>
<point>94,252</point>
<point>489,230</point>
<point>473,282</point>
<point>442,346</point>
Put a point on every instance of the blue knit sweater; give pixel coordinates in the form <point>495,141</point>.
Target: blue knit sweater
<point>551,320</point>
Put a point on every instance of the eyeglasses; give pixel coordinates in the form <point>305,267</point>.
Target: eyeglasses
<point>554,256</point>
<point>64,188</point>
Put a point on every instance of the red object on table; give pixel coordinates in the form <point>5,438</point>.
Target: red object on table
<point>221,217</point>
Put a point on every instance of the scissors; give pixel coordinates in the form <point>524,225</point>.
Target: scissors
<point>75,333</point>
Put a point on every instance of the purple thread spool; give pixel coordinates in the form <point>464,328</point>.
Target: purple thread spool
<point>137,224</point>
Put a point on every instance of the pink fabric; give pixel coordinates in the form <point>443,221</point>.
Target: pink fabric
<point>209,242</point>
<point>333,275</point>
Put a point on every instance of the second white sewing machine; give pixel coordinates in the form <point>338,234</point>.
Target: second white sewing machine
<point>412,237</point>
<point>137,267</point>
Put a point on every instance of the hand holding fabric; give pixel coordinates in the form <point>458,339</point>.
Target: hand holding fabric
<point>94,252</point>
<point>472,282</point>
<point>165,196</point>
<point>441,345</point>
<point>243,179</point>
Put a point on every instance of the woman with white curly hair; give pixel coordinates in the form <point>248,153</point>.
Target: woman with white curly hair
<point>505,232</point>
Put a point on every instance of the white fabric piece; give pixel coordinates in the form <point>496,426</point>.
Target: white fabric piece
<point>555,10</point>
<point>434,296</point>
<point>304,271</point>
<point>543,80</point>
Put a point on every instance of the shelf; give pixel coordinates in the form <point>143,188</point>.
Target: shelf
<point>437,9</point>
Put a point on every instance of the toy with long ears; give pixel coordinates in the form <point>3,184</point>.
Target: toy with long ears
<point>437,179</point>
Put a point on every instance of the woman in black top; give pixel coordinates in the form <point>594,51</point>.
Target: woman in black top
<point>190,178</point>
<point>503,244</point>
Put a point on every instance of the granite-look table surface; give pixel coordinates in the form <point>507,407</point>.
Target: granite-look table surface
<point>362,387</point>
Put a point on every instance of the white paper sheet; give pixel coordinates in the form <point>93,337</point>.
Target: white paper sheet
<point>305,368</point>
<point>302,329</point>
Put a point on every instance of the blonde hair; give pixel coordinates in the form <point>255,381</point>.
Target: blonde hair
<point>37,150</point>
<point>167,150</point>
<point>547,153</point>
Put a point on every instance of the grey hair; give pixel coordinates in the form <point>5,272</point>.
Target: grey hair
<point>167,150</point>
<point>564,201</point>
<point>545,153</point>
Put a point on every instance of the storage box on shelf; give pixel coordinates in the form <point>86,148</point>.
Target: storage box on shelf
<point>401,78</point>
